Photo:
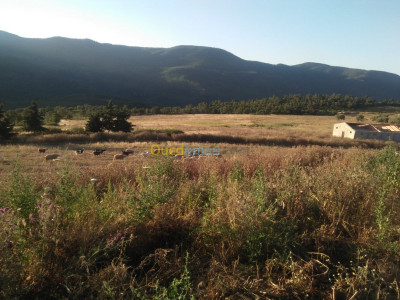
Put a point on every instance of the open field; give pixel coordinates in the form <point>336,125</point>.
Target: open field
<point>271,222</point>
<point>236,125</point>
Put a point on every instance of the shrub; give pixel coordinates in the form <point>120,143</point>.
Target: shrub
<point>360,117</point>
<point>340,116</point>
<point>380,118</point>
<point>394,119</point>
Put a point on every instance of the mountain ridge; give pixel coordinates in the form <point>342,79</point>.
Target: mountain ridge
<point>64,71</point>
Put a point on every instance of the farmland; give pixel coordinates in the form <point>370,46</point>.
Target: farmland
<point>298,215</point>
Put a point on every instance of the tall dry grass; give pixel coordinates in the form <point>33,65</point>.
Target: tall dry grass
<point>301,222</point>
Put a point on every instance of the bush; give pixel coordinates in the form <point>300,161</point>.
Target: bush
<point>340,116</point>
<point>380,118</point>
<point>394,119</point>
<point>360,117</point>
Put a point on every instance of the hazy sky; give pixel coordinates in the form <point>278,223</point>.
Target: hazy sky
<point>353,33</point>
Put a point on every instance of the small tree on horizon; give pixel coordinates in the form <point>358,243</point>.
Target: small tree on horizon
<point>32,120</point>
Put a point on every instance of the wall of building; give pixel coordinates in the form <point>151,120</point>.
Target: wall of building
<point>384,136</point>
<point>343,130</point>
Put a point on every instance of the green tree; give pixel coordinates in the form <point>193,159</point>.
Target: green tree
<point>116,119</point>
<point>120,123</point>
<point>32,120</point>
<point>108,116</point>
<point>5,125</point>
<point>111,118</point>
<point>94,124</point>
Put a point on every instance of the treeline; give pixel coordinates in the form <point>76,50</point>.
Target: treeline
<point>109,118</point>
<point>290,104</point>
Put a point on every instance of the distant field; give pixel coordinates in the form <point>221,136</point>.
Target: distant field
<point>235,125</point>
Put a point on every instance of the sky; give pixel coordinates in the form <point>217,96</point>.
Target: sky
<point>362,34</point>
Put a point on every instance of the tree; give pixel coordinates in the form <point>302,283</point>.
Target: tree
<point>108,116</point>
<point>32,120</point>
<point>94,124</point>
<point>120,123</point>
<point>111,118</point>
<point>5,125</point>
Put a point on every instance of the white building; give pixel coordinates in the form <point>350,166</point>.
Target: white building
<point>367,131</point>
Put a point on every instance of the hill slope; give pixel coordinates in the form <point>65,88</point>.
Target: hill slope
<point>61,71</point>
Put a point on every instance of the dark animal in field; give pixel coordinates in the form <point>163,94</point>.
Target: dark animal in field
<point>78,151</point>
<point>42,150</point>
<point>98,151</point>
<point>128,151</point>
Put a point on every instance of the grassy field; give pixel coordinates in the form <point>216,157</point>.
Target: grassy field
<point>307,221</point>
<point>235,125</point>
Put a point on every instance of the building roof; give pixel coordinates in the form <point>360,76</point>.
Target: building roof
<point>375,128</point>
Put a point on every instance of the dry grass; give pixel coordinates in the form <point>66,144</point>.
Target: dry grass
<point>242,125</point>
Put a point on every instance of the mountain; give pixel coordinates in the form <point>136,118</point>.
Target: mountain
<point>63,71</point>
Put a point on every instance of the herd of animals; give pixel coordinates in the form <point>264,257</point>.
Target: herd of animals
<point>95,152</point>
<point>124,153</point>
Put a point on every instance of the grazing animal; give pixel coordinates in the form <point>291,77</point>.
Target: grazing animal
<point>52,156</point>
<point>119,156</point>
<point>78,151</point>
<point>42,150</point>
<point>128,151</point>
<point>98,151</point>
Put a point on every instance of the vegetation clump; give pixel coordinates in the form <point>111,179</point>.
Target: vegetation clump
<point>111,118</point>
<point>6,127</point>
